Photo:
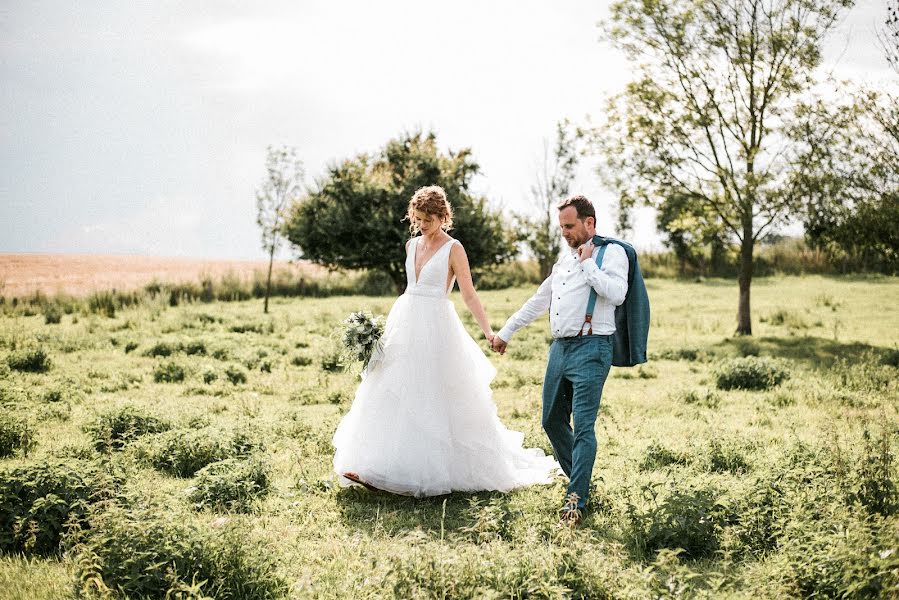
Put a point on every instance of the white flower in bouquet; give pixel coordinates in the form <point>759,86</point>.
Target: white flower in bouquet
<point>362,336</point>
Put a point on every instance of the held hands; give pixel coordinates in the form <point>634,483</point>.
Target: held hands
<point>585,251</point>
<point>498,344</point>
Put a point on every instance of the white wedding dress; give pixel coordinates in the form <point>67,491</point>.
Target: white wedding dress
<point>423,421</point>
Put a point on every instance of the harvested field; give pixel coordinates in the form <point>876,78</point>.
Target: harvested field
<point>79,274</point>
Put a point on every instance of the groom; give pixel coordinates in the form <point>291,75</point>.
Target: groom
<point>581,352</point>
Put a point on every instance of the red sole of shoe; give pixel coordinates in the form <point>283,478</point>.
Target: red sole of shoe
<point>356,479</point>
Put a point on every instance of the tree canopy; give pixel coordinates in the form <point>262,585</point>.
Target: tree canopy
<point>354,217</point>
<point>851,189</point>
<point>705,121</point>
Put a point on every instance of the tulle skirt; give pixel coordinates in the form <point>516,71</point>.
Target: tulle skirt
<point>423,421</point>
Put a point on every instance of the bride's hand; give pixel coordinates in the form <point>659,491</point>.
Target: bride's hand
<point>490,337</point>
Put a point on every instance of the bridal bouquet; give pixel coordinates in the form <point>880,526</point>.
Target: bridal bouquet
<point>362,337</point>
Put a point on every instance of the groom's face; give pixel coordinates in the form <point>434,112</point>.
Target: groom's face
<point>574,230</point>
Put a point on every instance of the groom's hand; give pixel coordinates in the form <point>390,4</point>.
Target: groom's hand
<point>585,251</point>
<point>499,344</point>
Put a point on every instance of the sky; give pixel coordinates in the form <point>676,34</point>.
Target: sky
<point>142,127</point>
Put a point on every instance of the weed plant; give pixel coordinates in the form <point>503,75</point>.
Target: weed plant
<point>232,484</point>
<point>115,429</point>
<point>183,452</point>
<point>16,436</point>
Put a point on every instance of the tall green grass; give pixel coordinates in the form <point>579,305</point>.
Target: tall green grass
<point>218,482</point>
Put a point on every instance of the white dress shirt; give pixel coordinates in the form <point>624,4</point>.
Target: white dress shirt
<point>567,289</point>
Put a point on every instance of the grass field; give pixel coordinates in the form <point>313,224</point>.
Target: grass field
<point>187,450</point>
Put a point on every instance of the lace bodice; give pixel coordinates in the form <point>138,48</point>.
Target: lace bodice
<point>432,278</point>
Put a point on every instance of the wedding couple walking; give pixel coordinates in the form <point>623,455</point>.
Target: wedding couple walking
<point>423,421</point>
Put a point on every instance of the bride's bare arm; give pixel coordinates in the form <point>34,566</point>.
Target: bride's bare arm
<point>462,271</point>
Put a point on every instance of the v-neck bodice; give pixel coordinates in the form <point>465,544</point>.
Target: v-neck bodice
<point>431,281</point>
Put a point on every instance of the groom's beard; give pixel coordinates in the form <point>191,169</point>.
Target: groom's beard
<point>574,244</point>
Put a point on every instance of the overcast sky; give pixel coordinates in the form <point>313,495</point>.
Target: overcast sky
<point>141,127</point>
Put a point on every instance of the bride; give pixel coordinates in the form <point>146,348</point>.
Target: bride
<point>423,421</point>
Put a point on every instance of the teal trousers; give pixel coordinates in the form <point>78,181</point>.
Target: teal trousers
<point>572,388</point>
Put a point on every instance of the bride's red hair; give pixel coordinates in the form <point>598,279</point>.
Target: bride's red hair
<point>430,200</point>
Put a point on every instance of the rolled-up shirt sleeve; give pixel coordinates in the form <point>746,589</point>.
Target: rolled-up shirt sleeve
<point>530,310</point>
<point>610,281</point>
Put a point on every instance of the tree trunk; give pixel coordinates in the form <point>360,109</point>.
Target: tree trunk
<point>268,281</point>
<point>744,320</point>
<point>546,268</point>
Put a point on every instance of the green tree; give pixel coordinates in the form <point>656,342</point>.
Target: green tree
<point>688,230</point>
<point>851,184</point>
<point>541,234</point>
<point>356,216</point>
<point>706,118</point>
<point>889,35</point>
<point>283,183</point>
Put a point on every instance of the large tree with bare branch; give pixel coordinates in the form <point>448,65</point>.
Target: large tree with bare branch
<point>553,179</point>
<point>706,119</point>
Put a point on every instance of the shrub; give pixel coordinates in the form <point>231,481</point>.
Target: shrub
<point>52,315</point>
<point>890,358</point>
<point>230,484</point>
<point>102,303</point>
<point>690,519</point>
<point>118,428</point>
<point>301,360</point>
<point>33,360</point>
<point>332,361</point>
<point>155,553</point>
<point>876,481</point>
<point>162,349</point>
<point>789,318</point>
<point>763,510</point>
<point>849,557</point>
<point>254,328</point>
<point>195,347</point>
<point>40,502</point>
<point>724,457</point>
<point>130,347</point>
<point>506,275</point>
<point>687,354</point>
<point>183,452</point>
<point>52,395</point>
<point>15,435</point>
<point>657,456</point>
<point>707,398</point>
<point>209,375</point>
<point>235,374</point>
<point>170,372</point>
<point>750,373</point>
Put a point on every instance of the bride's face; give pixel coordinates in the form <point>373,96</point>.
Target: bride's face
<point>426,223</point>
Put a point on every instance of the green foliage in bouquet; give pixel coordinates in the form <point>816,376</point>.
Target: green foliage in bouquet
<point>362,336</point>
